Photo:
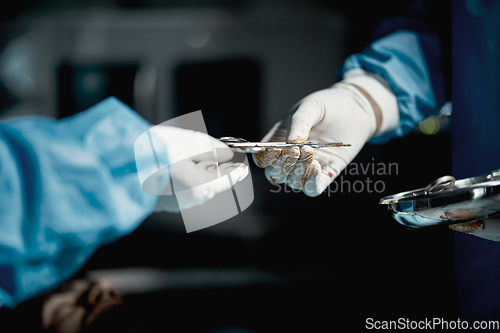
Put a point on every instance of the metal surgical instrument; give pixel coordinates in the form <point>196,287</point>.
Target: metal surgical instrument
<point>447,201</point>
<point>244,146</point>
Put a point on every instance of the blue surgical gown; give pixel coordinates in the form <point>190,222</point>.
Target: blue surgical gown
<point>67,187</point>
<point>425,66</point>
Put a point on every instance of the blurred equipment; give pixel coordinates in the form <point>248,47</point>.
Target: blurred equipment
<point>164,63</point>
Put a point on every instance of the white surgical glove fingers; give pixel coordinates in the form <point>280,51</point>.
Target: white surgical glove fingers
<point>278,133</point>
<point>222,152</point>
<point>217,150</point>
<point>269,156</point>
<point>301,174</point>
<point>197,195</point>
<point>194,168</point>
<point>237,171</point>
<point>211,170</point>
<point>306,154</point>
<point>274,176</point>
<point>486,229</point>
<point>309,113</point>
<point>327,165</point>
<point>266,158</point>
<point>338,114</point>
<point>279,170</point>
<point>207,180</point>
<point>293,166</point>
<point>178,143</point>
<point>188,174</point>
<point>302,169</point>
<point>316,184</point>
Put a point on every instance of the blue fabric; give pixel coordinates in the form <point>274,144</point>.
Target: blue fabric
<point>476,143</point>
<point>67,187</point>
<point>408,53</point>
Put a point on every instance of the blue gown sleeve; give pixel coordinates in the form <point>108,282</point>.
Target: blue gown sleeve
<point>407,52</point>
<point>66,187</point>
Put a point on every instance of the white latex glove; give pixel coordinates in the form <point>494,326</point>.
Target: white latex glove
<point>195,163</point>
<point>351,111</point>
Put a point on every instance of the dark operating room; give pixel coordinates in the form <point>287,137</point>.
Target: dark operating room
<point>288,262</point>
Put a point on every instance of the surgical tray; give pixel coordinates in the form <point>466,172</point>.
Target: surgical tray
<point>447,201</point>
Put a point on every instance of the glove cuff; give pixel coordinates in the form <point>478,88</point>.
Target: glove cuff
<point>375,89</point>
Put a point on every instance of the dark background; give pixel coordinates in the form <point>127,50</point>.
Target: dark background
<point>335,260</point>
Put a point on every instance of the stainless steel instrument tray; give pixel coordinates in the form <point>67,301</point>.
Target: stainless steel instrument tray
<point>447,201</point>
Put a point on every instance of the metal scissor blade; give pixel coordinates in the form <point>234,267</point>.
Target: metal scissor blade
<point>324,145</point>
<point>242,145</point>
<point>278,145</point>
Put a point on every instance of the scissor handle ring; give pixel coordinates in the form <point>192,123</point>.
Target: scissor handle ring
<point>441,184</point>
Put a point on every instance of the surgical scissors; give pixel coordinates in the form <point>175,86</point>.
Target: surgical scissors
<point>244,146</point>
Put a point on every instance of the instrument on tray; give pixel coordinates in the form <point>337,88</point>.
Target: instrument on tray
<point>447,201</point>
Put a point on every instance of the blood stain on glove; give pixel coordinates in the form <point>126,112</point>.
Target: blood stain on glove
<point>286,160</point>
<point>306,154</point>
<point>298,139</point>
<point>267,157</point>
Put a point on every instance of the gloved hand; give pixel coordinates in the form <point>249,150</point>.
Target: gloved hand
<point>198,168</point>
<point>487,229</point>
<point>344,113</point>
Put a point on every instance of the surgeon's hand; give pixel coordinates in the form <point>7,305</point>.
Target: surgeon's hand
<point>487,229</point>
<point>199,167</point>
<point>343,113</point>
